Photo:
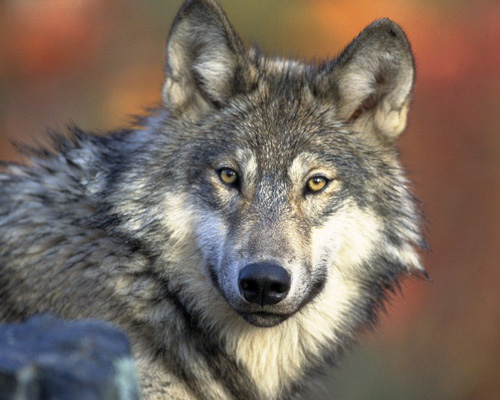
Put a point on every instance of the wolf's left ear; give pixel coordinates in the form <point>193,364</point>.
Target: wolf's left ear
<point>205,61</point>
<point>372,81</point>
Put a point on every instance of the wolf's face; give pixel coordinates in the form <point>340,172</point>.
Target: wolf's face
<point>291,167</point>
<point>278,184</point>
<point>291,197</point>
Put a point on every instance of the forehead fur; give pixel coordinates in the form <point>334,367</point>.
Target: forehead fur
<point>283,116</point>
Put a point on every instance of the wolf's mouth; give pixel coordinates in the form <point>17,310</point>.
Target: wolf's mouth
<point>264,319</point>
<point>255,315</point>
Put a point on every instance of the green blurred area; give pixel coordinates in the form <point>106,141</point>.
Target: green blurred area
<point>95,63</point>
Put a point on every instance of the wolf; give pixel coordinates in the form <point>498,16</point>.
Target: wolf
<point>245,232</point>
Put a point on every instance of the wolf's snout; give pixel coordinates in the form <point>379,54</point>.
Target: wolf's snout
<point>264,284</point>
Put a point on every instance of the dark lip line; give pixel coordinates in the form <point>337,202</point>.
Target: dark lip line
<point>266,314</point>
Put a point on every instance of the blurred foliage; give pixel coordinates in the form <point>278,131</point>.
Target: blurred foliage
<point>96,62</point>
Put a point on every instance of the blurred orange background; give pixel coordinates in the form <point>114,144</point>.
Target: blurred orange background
<point>94,63</point>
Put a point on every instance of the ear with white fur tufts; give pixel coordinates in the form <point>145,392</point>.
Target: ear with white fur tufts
<point>205,61</point>
<point>372,81</point>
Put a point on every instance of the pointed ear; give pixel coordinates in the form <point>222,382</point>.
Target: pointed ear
<point>373,79</point>
<point>205,61</point>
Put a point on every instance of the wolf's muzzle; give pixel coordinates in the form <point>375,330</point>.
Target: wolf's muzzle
<point>263,283</point>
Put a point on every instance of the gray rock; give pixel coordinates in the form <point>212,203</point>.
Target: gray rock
<point>46,358</point>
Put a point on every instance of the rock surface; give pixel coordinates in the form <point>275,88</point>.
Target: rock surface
<point>48,358</point>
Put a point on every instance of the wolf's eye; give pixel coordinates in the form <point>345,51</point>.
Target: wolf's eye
<point>228,176</point>
<point>316,184</point>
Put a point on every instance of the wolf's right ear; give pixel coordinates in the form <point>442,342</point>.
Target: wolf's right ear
<point>205,61</point>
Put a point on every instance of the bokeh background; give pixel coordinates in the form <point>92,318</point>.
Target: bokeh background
<point>96,62</point>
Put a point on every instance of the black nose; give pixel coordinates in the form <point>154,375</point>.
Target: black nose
<point>264,284</point>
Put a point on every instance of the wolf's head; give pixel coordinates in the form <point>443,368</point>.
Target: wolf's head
<point>287,171</point>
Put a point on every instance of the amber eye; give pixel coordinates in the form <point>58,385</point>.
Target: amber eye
<point>228,176</point>
<point>316,184</point>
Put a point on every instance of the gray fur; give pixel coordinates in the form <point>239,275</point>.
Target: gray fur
<point>138,228</point>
